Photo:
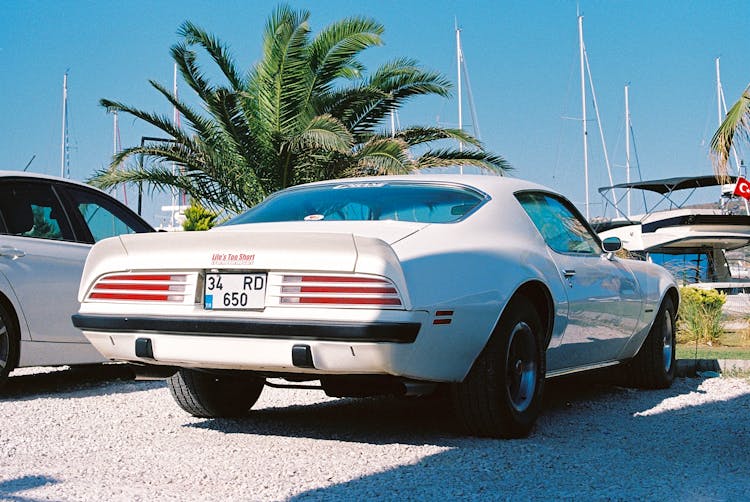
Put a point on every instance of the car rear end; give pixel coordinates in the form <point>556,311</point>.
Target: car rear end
<point>244,301</point>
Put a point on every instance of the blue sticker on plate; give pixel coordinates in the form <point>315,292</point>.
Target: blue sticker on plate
<point>208,302</point>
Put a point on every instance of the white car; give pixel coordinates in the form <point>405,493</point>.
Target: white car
<point>47,227</point>
<point>383,285</point>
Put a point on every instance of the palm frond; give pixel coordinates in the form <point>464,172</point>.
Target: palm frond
<point>333,51</point>
<point>383,156</point>
<point>186,60</point>
<point>282,75</point>
<point>202,126</point>
<point>735,125</point>
<point>159,121</point>
<point>420,135</point>
<point>449,157</point>
<point>324,133</point>
<point>200,187</point>
<point>397,81</point>
<point>219,52</point>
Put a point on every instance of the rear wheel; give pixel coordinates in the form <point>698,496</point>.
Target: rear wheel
<point>502,394</point>
<point>9,344</point>
<point>654,365</point>
<point>214,395</point>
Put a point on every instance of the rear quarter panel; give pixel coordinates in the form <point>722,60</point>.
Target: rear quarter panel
<point>655,282</point>
<point>473,267</point>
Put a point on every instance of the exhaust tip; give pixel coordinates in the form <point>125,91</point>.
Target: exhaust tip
<point>302,356</point>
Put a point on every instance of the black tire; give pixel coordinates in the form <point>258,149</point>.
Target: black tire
<point>9,344</point>
<point>502,394</point>
<point>654,365</point>
<point>214,395</point>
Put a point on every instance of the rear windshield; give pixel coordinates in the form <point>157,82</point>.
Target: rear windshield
<point>415,202</point>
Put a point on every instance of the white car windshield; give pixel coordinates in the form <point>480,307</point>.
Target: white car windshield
<point>366,201</point>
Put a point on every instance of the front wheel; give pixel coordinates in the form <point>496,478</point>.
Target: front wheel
<point>9,341</point>
<point>214,395</point>
<point>654,365</point>
<point>502,394</point>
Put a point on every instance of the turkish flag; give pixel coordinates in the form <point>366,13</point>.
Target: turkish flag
<point>742,188</point>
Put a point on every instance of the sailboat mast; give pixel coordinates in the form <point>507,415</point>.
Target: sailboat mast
<point>116,144</point>
<point>115,133</point>
<point>719,93</point>
<point>583,108</point>
<point>458,77</point>
<point>627,142</point>
<point>64,139</point>
<point>176,194</point>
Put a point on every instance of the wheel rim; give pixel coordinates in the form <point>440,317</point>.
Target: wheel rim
<point>667,341</point>
<point>4,345</point>
<point>521,367</point>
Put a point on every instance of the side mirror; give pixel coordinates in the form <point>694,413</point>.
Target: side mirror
<point>612,244</point>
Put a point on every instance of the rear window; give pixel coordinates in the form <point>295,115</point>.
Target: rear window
<point>414,202</point>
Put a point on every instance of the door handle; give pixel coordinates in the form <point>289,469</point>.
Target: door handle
<point>11,253</point>
<point>569,273</point>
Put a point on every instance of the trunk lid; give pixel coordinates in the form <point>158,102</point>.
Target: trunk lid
<point>387,230</point>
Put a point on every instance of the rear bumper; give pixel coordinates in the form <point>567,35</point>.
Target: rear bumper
<point>331,347</point>
<point>375,332</point>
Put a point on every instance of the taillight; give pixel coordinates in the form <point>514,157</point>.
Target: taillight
<point>141,288</point>
<point>338,290</point>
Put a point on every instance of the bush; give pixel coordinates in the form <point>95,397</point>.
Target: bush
<point>700,315</point>
<point>198,217</point>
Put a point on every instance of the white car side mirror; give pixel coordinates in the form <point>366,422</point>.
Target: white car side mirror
<point>611,245</point>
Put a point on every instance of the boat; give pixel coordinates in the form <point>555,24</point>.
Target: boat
<point>694,241</point>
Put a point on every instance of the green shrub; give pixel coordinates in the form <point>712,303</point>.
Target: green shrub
<point>700,315</point>
<point>198,217</point>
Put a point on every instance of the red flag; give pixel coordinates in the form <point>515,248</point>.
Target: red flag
<point>742,188</point>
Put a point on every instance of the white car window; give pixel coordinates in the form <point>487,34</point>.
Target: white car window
<point>561,228</point>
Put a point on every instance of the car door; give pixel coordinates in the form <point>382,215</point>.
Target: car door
<point>49,228</point>
<point>41,259</point>
<point>604,299</point>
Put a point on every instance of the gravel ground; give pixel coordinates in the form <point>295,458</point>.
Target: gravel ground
<point>89,434</point>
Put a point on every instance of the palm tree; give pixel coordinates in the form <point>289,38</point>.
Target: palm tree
<point>306,111</point>
<point>735,125</point>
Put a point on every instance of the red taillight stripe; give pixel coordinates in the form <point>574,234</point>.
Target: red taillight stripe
<point>441,321</point>
<point>347,301</point>
<point>443,313</point>
<point>142,277</point>
<point>335,289</point>
<point>129,296</point>
<point>133,287</point>
<point>138,287</point>
<point>330,278</point>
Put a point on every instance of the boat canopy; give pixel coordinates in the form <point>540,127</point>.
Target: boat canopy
<point>666,188</point>
<point>669,185</point>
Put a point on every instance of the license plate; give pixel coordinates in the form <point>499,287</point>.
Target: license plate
<point>234,291</point>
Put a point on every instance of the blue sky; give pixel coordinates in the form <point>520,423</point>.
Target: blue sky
<point>522,59</point>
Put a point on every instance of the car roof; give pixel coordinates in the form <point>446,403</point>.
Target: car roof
<point>491,184</point>
<point>43,177</point>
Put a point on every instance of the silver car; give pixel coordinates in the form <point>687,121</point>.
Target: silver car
<point>47,227</point>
